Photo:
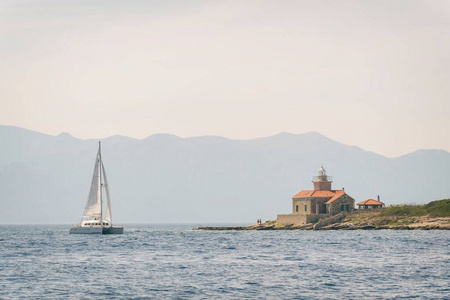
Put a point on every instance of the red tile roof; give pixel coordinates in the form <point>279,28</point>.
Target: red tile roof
<point>333,194</point>
<point>370,202</point>
<point>337,195</point>
<point>314,193</point>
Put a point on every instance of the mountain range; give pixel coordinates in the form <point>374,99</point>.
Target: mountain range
<point>167,179</point>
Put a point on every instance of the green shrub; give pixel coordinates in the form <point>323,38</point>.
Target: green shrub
<point>439,208</point>
<point>404,210</point>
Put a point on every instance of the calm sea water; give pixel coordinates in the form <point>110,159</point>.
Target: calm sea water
<point>173,262</point>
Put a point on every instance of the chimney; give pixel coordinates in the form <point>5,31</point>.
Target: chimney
<point>343,190</point>
<point>378,198</point>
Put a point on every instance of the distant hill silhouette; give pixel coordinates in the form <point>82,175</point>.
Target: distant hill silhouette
<point>165,178</point>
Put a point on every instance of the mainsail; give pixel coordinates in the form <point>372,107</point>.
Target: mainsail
<point>108,205</point>
<point>94,204</point>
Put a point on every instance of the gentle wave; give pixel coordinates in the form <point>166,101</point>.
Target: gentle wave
<point>172,261</point>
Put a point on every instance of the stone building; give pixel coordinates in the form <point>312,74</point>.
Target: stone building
<point>310,205</point>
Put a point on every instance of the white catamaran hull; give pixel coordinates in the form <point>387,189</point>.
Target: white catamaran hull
<point>96,230</point>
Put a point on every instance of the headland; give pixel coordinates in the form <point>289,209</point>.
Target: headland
<point>432,216</point>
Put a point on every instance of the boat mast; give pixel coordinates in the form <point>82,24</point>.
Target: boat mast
<point>101,183</point>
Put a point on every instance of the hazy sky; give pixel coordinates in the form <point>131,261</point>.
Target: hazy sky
<point>368,73</point>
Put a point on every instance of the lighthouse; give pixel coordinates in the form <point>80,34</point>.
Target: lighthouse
<point>322,182</point>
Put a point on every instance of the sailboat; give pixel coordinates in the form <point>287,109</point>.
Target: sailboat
<point>92,221</point>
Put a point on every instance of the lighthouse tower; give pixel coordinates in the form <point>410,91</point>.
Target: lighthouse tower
<point>322,182</point>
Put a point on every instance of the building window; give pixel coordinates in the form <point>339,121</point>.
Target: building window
<point>306,207</point>
<point>344,207</point>
<point>296,208</point>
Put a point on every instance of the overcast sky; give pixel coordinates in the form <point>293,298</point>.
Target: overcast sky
<point>369,73</point>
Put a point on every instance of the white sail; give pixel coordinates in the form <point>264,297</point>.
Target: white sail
<point>93,222</point>
<point>108,215</point>
<point>94,205</point>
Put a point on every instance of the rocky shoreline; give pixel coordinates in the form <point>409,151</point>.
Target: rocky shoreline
<point>352,222</point>
<point>331,227</point>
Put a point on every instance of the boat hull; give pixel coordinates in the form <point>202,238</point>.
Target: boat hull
<point>96,230</point>
<point>112,230</point>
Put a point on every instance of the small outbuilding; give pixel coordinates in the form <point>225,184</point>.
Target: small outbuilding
<point>370,204</point>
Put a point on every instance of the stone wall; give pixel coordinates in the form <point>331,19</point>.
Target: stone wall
<point>291,219</point>
<point>301,202</point>
<point>313,205</point>
<point>318,205</point>
<point>299,219</point>
<point>335,207</point>
<point>322,185</point>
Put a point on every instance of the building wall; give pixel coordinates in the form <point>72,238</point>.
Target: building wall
<point>322,185</point>
<point>318,205</point>
<point>301,202</point>
<point>313,205</point>
<point>335,207</point>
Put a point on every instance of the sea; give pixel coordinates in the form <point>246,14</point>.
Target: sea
<point>175,262</point>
